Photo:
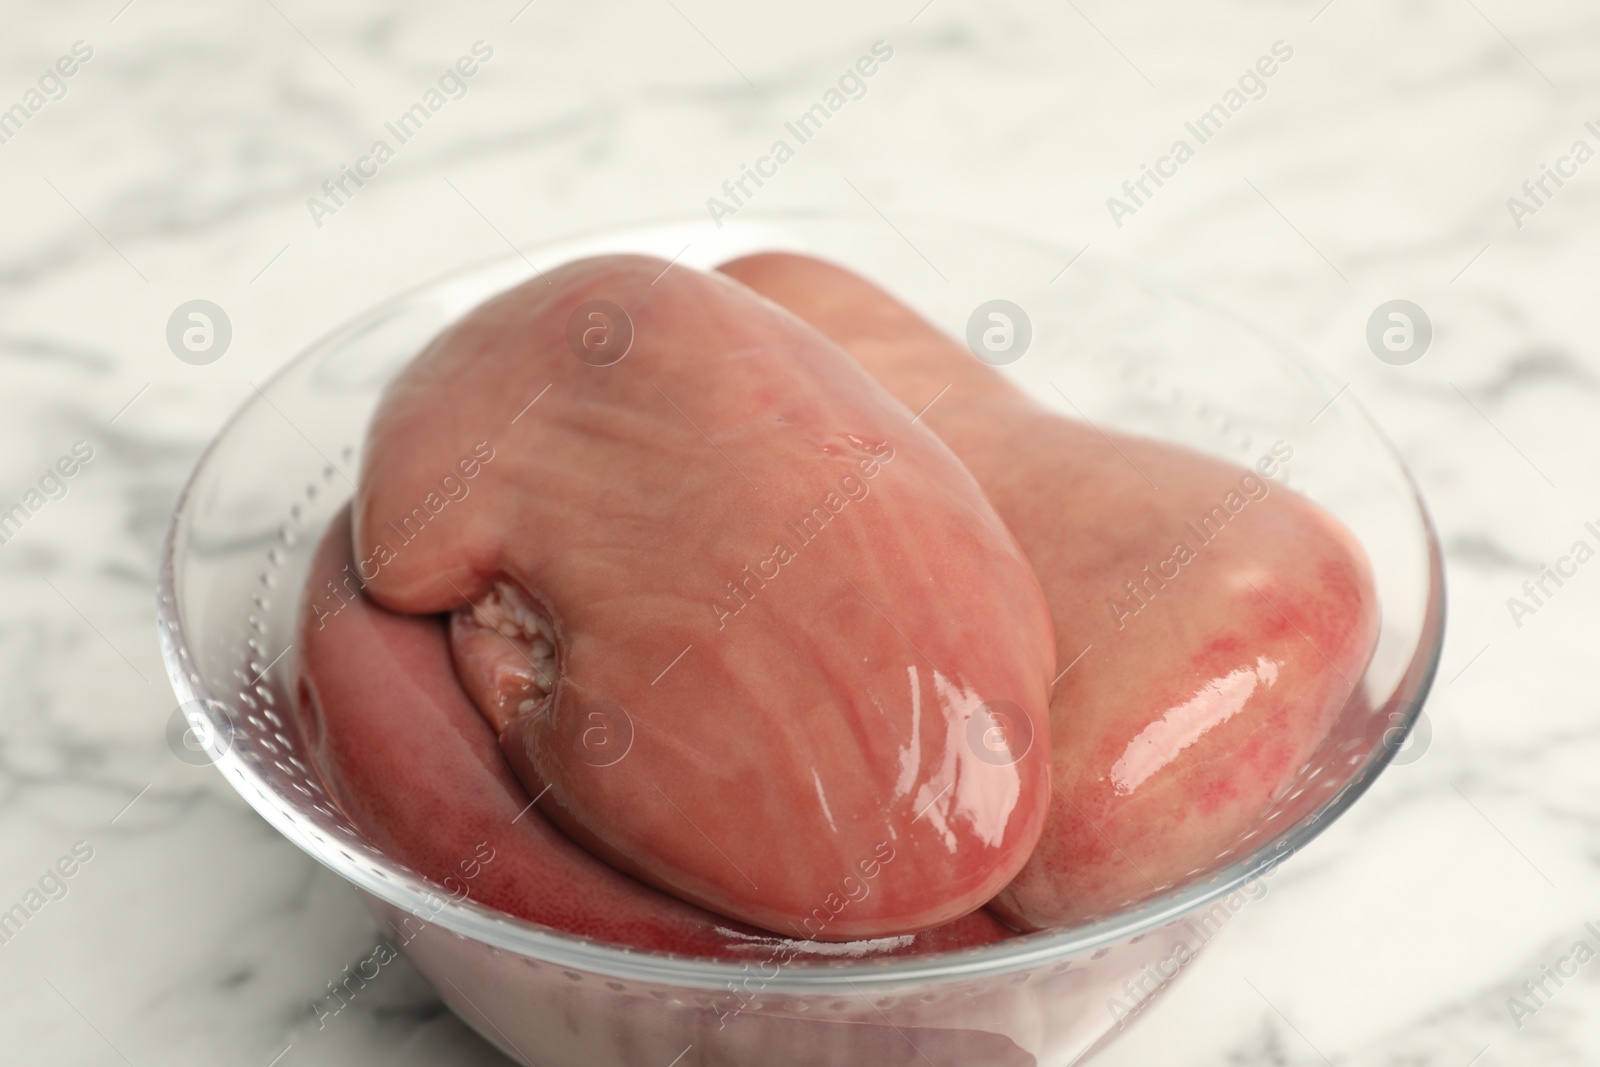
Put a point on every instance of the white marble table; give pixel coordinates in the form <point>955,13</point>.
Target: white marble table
<point>176,164</point>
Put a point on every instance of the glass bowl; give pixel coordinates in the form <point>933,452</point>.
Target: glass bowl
<point>1130,351</point>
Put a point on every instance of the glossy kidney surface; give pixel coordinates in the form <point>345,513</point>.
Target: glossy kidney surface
<point>746,630</point>
<point>438,796</point>
<point>1210,622</point>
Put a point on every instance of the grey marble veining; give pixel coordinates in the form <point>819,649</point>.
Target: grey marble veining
<point>1377,164</point>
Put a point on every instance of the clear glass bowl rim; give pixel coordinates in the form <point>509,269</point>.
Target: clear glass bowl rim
<point>466,919</point>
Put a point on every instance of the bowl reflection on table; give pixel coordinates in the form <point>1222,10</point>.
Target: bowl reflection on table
<point>1129,351</point>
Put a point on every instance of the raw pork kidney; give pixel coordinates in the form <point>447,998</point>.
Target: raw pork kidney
<point>1222,620</point>
<point>745,629</point>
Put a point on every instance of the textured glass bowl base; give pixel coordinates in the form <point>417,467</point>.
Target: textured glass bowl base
<point>1108,345</point>
<point>542,1013</point>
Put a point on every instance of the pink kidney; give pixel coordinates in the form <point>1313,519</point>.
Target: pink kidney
<point>744,629</point>
<point>436,793</point>
<point>1222,620</point>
